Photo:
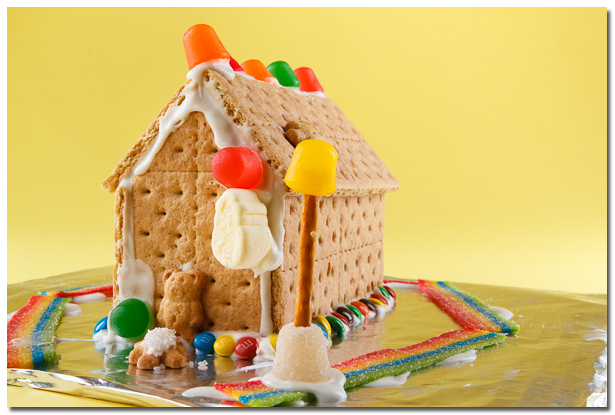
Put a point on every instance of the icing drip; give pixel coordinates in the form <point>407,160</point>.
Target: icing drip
<point>135,278</point>
<point>389,381</point>
<point>327,393</point>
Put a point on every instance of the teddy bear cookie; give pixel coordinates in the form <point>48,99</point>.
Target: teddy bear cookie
<point>181,308</point>
<point>160,346</point>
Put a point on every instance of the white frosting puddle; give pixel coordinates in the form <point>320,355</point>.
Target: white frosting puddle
<point>72,310</point>
<point>89,298</point>
<point>597,334</point>
<point>327,393</point>
<point>402,286</point>
<point>206,392</point>
<point>389,381</point>
<point>459,359</point>
<point>506,314</point>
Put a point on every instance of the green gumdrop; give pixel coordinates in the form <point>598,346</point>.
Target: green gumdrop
<point>284,74</point>
<point>131,318</point>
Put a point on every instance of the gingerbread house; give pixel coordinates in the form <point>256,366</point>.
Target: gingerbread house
<point>166,194</point>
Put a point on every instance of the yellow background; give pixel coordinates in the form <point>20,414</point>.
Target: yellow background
<point>493,120</point>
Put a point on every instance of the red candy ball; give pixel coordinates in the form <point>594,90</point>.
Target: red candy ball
<point>246,348</point>
<point>237,167</point>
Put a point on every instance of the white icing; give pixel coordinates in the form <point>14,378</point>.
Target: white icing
<point>189,347</point>
<point>402,286</point>
<point>597,334</point>
<point>188,266</point>
<point>72,310</point>
<point>158,341</point>
<point>327,393</point>
<point>459,359</point>
<point>135,278</point>
<point>205,392</point>
<point>389,381</point>
<point>89,298</point>
<point>254,367</point>
<point>504,313</point>
<point>9,316</point>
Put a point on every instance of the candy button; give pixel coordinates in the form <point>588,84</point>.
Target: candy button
<point>324,323</point>
<point>341,318</point>
<point>246,348</point>
<point>201,44</point>
<point>257,70</point>
<point>384,292</point>
<point>312,168</point>
<point>237,167</point>
<point>131,318</point>
<point>390,291</point>
<point>224,345</point>
<point>346,313</point>
<point>273,340</point>
<point>336,325</point>
<point>204,342</point>
<point>308,80</point>
<point>369,304</point>
<point>284,74</point>
<point>377,302</point>
<point>379,297</point>
<point>101,325</point>
<point>361,307</point>
<point>355,311</point>
<point>323,330</point>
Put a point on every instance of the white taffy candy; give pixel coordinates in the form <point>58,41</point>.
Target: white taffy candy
<point>241,237</point>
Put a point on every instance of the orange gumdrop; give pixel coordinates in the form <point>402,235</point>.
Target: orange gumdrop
<point>257,70</point>
<point>202,45</point>
<point>309,82</point>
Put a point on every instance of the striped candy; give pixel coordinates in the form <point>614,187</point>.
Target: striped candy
<point>105,288</point>
<point>465,309</point>
<point>30,332</point>
<point>372,366</point>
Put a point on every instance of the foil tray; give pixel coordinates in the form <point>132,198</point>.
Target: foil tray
<point>558,359</point>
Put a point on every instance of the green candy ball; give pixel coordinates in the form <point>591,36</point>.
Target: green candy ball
<point>131,318</point>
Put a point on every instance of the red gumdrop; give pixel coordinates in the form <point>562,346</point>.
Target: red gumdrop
<point>236,66</point>
<point>380,297</point>
<point>246,348</point>
<point>309,82</point>
<point>237,167</point>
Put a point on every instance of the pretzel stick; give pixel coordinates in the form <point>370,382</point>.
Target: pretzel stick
<point>307,244</point>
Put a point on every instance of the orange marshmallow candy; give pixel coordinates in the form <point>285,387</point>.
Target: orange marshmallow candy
<point>202,45</point>
<point>256,69</point>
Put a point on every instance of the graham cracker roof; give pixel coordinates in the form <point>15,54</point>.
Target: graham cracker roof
<point>266,109</point>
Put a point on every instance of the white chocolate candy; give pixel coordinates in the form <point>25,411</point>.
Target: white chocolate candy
<point>241,237</point>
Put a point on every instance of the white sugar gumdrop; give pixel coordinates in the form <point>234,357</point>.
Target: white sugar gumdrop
<point>301,355</point>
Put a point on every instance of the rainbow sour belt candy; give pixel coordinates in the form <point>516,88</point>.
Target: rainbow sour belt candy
<point>105,288</point>
<point>372,366</point>
<point>465,309</point>
<point>30,332</point>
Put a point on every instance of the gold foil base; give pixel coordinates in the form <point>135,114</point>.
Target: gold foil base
<point>549,364</point>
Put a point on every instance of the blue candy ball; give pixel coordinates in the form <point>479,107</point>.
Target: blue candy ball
<point>323,330</point>
<point>204,342</point>
<point>101,325</point>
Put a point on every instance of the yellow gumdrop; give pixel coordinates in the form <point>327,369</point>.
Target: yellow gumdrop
<point>376,302</point>
<point>312,168</point>
<point>224,345</point>
<point>273,340</point>
<point>324,323</point>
